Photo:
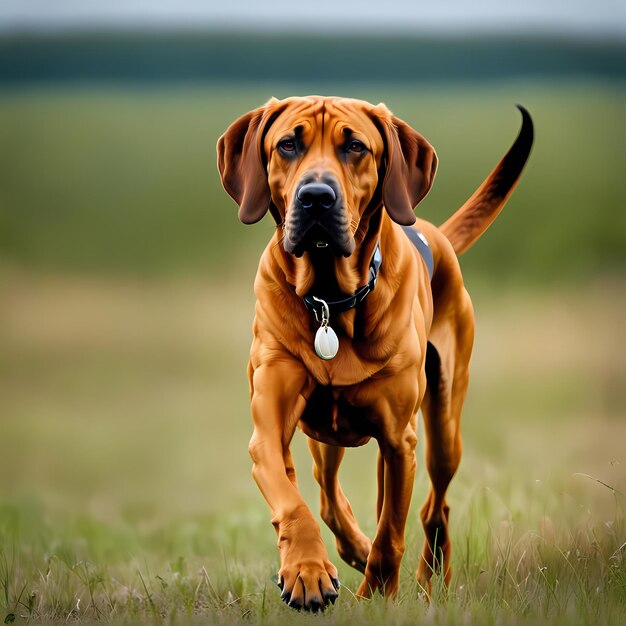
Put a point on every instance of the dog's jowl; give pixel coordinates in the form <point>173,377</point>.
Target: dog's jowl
<point>361,320</point>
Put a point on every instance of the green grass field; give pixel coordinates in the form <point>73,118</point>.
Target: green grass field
<point>125,180</point>
<point>125,311</point>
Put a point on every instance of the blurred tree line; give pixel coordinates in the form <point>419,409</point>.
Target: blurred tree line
<point>291,57</point>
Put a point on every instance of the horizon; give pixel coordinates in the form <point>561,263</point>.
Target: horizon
<point>599,19</point>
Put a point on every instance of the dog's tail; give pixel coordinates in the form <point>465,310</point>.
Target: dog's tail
<point>477,214</point>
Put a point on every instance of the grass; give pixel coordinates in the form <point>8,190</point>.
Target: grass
<point>126,494</point>
<point>85,571</point>
<point>517,571</point>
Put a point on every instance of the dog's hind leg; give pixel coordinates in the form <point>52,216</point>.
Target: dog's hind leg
<point>447,361</point>
<point>352,545</point>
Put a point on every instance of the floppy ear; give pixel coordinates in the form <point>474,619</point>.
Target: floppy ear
<point>411,163</point>
<point>240,162</point>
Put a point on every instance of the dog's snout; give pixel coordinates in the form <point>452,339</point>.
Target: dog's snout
<point>317,198</point>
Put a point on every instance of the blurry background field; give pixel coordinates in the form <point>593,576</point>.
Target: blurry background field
<point>126,305</point>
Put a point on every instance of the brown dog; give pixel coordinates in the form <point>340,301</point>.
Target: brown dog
<point>340,176</point>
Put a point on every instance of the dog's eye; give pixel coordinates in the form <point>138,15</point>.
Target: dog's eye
<point>287,145</point>
<point>356,146</point>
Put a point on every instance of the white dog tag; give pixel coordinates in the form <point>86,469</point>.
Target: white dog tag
<point>326,343</point>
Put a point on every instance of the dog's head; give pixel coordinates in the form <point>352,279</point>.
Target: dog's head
<point>318,164</point>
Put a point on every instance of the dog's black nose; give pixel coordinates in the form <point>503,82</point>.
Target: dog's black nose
<point>317,198</point>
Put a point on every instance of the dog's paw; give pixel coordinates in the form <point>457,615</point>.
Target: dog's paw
<point>309,586</point>
<point>355,551</point>
<point>382,573</point>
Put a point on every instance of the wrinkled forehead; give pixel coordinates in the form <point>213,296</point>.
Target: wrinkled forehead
<point>328,118</point>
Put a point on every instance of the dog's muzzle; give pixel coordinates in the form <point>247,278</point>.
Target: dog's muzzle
<point>317,219</point>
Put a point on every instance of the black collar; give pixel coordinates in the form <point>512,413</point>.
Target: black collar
<point>345,304</point>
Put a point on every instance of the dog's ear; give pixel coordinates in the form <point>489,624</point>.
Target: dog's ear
<point>241,164</point>
<point>409,167</point>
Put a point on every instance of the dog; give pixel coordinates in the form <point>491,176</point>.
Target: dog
<point>361,319</point>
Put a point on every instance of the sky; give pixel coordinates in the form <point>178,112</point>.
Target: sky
<point>600,18</point>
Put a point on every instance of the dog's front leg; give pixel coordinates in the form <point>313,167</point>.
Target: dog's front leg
<point>397,443</point>
<point>307,578</point>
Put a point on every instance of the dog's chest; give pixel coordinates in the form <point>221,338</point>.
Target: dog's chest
<point>329,417</point>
